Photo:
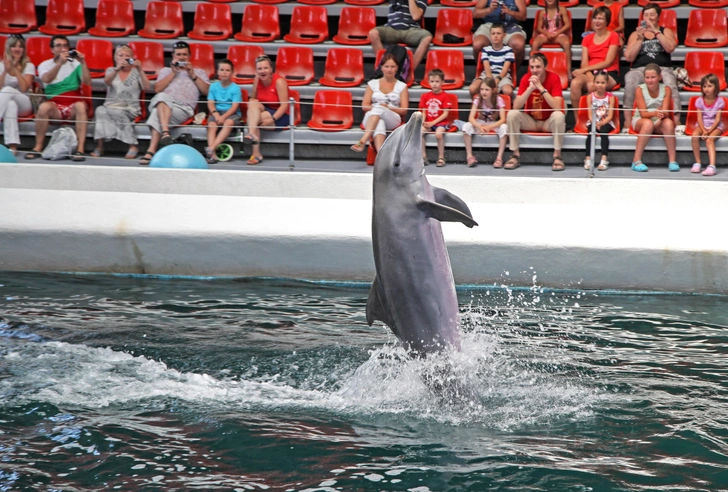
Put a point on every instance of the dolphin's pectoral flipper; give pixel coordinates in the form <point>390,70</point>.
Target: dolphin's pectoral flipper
<point>446,213</point>
<point>376,310</point>
<point>444,197</point>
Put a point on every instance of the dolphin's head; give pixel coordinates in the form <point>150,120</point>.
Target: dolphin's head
<point>400,157</point>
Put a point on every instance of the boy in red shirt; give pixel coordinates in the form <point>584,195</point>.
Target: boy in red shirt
<point>435,106</point>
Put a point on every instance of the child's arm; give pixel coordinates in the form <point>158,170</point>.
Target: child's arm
<point>473,113</point>
<point>211,109</point>
<point>538,22</point>
<point>486,68</point>
<point>501,119</point>
<point>611,112</point>
<point>718,118</point>
<point>567,22</point>
<point>440,118</point>
<point>701,125</point>
<point>504,72</point>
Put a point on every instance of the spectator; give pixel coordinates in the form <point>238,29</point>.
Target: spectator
<point>553,26</point>
<point>650,43</point>
<point>178,89</point>
<point>508,12</point>
<point>403,26</point>
<point>540,98</point>
<point>435,106</point>
<point>497,60</point>
<point>115,118</point>
<point>709,125</point>
<point>16,80</point>
<point>62,77</point>
<point>600,105</point>
<point>487,115</point>
<point>223,104</point>
<point>652,116</point>
<point>385,103</point>
<point>599,51</point>
<point>268,105</point>
<point>617,22</point>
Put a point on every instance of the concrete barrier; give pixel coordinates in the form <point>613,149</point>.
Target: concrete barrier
<point>629,234</point>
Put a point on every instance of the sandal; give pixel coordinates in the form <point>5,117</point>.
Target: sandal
<point>144,161</point>
<point>498,163</point>
<point>558,164</point>
<point>603,165</point>
<point>254,160</point>
<point>252,139</point>
<point>166,139</point>
<point>358,147</point>
<point>78,156</point>
<point>32,155</point>
<point>131,154</point>
<point>97,152</point>
<point>441,162</point>
<point>472,161</point>
<point>587,163</point>
<point>513,162</point>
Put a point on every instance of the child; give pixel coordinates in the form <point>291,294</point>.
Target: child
<point>483,119</point>
<point>223,103</point>
<point>603,103</point>
<point>709,126</point>
<point>553,27</point>
<point>652,115</point>
<point>497,61</point>
<point>435,106</point>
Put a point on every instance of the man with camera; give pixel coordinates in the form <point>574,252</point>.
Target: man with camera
<point>508,12</point>
<point>178,89</point>
<point>403,26</point>
<point>62,77</point>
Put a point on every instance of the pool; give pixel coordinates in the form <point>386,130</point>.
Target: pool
<point>137,383</point>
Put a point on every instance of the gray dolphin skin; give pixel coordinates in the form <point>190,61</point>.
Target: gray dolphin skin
<point>414,291</point>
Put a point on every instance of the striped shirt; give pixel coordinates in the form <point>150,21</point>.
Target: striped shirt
<point>497,58</point>
<point>399,16</point>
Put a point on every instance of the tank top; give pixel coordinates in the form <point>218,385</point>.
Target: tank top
<point>553,23</point>
<point>268,94</point>
<point>601,107</point>
<point>652,52</point>
<point>652,103</point>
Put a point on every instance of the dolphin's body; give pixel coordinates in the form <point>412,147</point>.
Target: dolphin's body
<point>414,291</point>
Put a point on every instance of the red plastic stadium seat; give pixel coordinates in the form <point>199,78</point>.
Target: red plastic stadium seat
<point>707,28</point>
<point>309,25</point>
<point>64,17</point>
<point>598,3</point>
<point>114,18</point>
<point>692,118</point>
<point>39,49</point>
<point>213,22</point>
<point>583,117</point>
<point>701,63</point>
<point>243,58</point>
<point>668,19</point>
<point>557,64</point>
<point>261,24</point>
<point>3,39</point>
<point>665,4</point>
<point>17,16</point>
<point>317,2</point>
<point>458,3</point>
<point>295,64</point>
<point>99,55</point>
<point>163,20</point>
<point>332,111</point>
<point>538,19</point>
<point>456,22</point>
<point>449,61</point>
<point>202,55</point>
<point>364,3</point>
<point>410,77</point>
<point>355,24</point>
<point>151,56</point>
<point>708,4</point>
<point>87,94</point>
<point>344,68</point>
<point>270,1</point>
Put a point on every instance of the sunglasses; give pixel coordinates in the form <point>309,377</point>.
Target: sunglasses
<point>180,45</point>
<point>17,36</point>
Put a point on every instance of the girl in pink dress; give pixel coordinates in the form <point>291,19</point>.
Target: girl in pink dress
<point>709,126</point>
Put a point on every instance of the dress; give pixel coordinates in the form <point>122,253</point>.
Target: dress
<point>710,112</point>
<point>114,120</point>
<point>651,103</point>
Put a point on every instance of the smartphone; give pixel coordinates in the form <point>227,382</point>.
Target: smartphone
<point>643,24</point>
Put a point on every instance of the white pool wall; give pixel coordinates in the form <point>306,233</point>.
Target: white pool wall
<point>628,234</point>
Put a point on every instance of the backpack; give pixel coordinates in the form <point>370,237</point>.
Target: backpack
<point>400,54</point>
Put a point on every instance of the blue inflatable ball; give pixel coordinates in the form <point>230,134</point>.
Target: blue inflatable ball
<point>178,156</point>
<point>7,156</point>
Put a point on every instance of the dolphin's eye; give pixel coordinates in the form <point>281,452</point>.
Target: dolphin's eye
<point>396,164</point>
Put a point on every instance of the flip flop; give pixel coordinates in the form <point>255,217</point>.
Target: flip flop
<point>358,147</point>
<point>78,156</point>
<point>32,155</point>
<point>472,161</point>
<point>132,154</point>
<point>254,160</point>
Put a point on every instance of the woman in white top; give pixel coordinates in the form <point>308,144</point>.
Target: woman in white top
<point>16,80</point>
<point>385,103</point>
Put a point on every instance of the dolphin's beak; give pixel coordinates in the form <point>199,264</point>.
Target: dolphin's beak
<point>413,132</point>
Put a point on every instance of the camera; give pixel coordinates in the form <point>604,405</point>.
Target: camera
<point>73,54</point>
<point>179,64</point>
<point>643,24</point>
<point>131,61</point>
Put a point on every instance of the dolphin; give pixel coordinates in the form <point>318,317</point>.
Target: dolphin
<point>413,292</point>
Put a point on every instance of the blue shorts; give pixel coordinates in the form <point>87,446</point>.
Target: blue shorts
<point>281,122</point>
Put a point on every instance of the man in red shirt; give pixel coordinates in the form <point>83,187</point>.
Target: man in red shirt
<point>538,107</point>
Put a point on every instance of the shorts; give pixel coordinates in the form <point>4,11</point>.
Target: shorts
<point>411,37</point>
<point>511,30</point>
<point>281,122</point>
<point>65,106</point>
<point>614,74</point>
<point>235,118</point>
<point>180,112</point>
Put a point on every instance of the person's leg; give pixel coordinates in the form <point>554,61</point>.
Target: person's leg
<point>695,142</point>
<point>507,90</point>
<point>9,115</point>
<point>266,121</point>
<point>517,42</point>
<point>376,40</point>
<point>224,133</point>
<point>556,125</point>
<point>421,50</point>
<point>538,41</point>
<point>481,39</point>
<point>255,109</point>
<point>468,140</point>
<point>164,113</point>
<point>632,79</point>
<point>563,41</point>
<point>669,79</point>
<point>47,111</point>
<point>645,128</point>
<point>211,133</point>
<point>79,112</point>
<point>578,86</point>
<point>605,141</point>
<point>667,129</point>
<point>474,87</point>
<point>440,136</point>
<point>710,144</point>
